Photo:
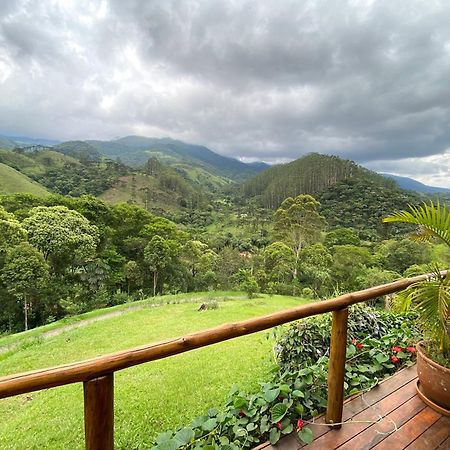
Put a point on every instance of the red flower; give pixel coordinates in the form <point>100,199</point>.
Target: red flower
<point>241,413</point>
<point>411,349</point>
<point>279,425</point>
<point>353,341</point>
<point>394,359</point>
<point>280,398</point>
<point>359,345</point>
<point>300,424</point>
<point>396,349</point>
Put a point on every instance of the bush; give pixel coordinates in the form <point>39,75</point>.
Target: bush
<point>305,341</point>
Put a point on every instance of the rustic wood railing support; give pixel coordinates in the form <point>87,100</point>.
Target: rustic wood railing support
<point>336,369</point>
<point>99,413</point>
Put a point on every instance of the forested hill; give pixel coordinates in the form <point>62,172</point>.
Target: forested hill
<point>311,174</point>
<point>136,150</point>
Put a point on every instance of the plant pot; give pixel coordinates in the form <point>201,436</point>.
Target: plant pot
<point>434,379</point>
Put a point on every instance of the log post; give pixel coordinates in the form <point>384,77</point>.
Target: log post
<point>99,413</point>
<point>336,368</point>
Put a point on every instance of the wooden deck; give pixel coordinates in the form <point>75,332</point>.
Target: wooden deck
<point>391,416</point>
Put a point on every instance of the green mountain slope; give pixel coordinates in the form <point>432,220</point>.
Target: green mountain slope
<point>136,150</point>
<point>311,174</point>
<point>12,181</point>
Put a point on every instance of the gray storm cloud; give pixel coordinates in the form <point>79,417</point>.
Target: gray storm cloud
<point>265,80</point>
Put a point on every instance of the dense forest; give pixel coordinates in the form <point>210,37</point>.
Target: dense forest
<point>110,233</point>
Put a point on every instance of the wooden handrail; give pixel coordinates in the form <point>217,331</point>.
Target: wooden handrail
<point>22,383</point>
<point>97,373</point>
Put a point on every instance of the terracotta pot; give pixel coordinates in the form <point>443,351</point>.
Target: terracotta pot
<point>434,379</point>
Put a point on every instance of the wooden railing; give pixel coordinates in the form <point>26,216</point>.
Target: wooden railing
<point>97,374</point>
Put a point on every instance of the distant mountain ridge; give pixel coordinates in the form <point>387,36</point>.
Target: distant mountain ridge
<point>136,150</point>
<point>414,185</point>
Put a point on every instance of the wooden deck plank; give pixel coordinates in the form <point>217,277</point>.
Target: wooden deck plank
<point>445,445</point>
<point>375,433</point>
<point>410,431</point>
<point>371,415</point>
<point>361,402</point>
<point>433,437</point>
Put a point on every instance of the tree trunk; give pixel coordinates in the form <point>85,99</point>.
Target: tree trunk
<point>154,283</point>
<point>25,311</point>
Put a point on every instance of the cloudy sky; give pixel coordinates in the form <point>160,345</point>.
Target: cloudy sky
<point>267,80</point>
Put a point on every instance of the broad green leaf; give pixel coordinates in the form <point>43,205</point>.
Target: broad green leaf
<point>170,444</point>
<point>271,395</point>
<point>274,436</point>
<point>278,412</point>
<point>184,436</point>
<point>209,425</point>
<point>306,435</point>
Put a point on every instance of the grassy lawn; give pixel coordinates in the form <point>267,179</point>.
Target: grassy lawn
<point>148,398</point>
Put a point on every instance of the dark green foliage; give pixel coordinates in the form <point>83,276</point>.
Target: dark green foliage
<point>361,204</point>
<point>311,174</point>
<point>304,342</point>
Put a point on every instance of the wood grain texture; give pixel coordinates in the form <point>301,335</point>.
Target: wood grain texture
<point>92,368</point>
<point>336,368</point>
<point>99,413</point>
<point>433,436</point>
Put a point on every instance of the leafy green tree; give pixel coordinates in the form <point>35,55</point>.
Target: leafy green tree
<point>65,237</point>
<point>399,255</point>
<point>11,231</point>
<point>298,223</point>
<point>158,255</point>
<point>316,268</point>
<point>133,275</point>
<point>341,236</point>
<point>349,262</point>
<point>25,275</point>
<point>279,262</point>
<point>247,282</point>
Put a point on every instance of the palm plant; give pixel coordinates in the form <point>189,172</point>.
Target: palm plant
<point>430,298</point>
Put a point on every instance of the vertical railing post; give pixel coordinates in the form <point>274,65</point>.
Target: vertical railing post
<point>336,368</point>
<point>99,413</point>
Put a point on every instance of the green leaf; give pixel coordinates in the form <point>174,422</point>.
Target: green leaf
<point>306,435</point>
<point>298,393</point>
<point>184,436</point>
<point>351,350</point>
<point>170,444</point>
<point>381,358</point>
<point>288,429</point>
<point>271,395</point>
<point>278,412</point>
<point>209,425</point>
<point>162,437</point>
<point>239,402</point>
<point>251,426</point>
<point>274,436</point>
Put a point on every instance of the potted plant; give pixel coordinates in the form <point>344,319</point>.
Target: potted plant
<point>431,299</point>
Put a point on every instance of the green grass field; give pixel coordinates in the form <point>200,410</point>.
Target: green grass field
<point>12,181</point>
<point>148,398</point>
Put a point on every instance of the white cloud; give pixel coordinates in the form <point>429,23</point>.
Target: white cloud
<point>259,80</point>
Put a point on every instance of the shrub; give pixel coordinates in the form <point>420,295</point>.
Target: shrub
<point>305,341</point>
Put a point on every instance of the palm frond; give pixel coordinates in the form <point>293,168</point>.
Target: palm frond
<point>434,220</point>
